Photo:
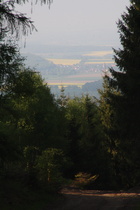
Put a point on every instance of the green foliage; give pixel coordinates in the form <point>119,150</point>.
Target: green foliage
<point>29,122</point>
<point>49,166</point>
<point>86,139</point>
<point>34,107</point>
<point>122,100</point>
<point>10,64</point>
<point>30,154</point>
<point>9,150</point>
<point>62,100</point>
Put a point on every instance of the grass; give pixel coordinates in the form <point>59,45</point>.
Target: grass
<point>64,61</point>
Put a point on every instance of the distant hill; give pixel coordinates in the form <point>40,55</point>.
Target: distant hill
<point>38,63</point>
<point>90,88</point>
<point>53,73</point>
<point>46,67</point>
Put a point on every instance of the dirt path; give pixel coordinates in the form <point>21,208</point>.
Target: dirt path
<point>97,200</point>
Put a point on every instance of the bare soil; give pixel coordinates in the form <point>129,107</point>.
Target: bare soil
<point>74,199</point>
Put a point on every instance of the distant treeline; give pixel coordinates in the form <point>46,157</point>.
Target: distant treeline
<point>89,88</point>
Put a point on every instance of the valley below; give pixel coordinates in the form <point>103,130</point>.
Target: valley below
<point>72,67</point>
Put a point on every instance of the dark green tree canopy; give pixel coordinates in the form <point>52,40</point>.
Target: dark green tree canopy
<point>123,97</point>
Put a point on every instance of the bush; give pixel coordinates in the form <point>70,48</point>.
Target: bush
<point>49,167</point>
<point>83,180</point>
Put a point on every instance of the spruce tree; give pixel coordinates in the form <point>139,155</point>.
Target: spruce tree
<point>125,99</point>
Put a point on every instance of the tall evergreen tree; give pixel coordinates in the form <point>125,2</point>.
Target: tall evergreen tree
<point>125,99</point>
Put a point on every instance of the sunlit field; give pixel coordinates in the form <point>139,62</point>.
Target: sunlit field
<point>78,80</point>
<point>64,61</point>
<point>99,53</point>
<point>84,76</point>
<point>99,62</point>
<point>96,58</point>
<point>76,61</point>
<point>65,84</point>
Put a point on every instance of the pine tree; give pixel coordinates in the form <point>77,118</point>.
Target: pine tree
<point>125,99</point>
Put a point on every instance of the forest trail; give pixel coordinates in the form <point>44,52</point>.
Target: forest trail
<point>74,199</point>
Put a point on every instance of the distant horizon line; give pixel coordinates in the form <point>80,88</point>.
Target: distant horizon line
<point>73,45</point>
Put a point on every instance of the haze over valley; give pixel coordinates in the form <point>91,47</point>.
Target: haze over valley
<point>79,69</point>
<point>74,41</point>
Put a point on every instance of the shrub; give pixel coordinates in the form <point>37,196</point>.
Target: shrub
<point>83,180</point>
<point>49,166</point>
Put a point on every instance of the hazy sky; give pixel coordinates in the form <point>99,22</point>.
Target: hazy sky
<point>76,22</point>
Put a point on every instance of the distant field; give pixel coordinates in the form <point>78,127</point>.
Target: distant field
<point>71,82</point>
<point>78,80</point>
<point>99,53</point>
<point>86,75</point>
<point>65,84</point>
<point>76,61</point>
<point>99,62</point>
<point>100,59</point>
<point>64,61</point>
